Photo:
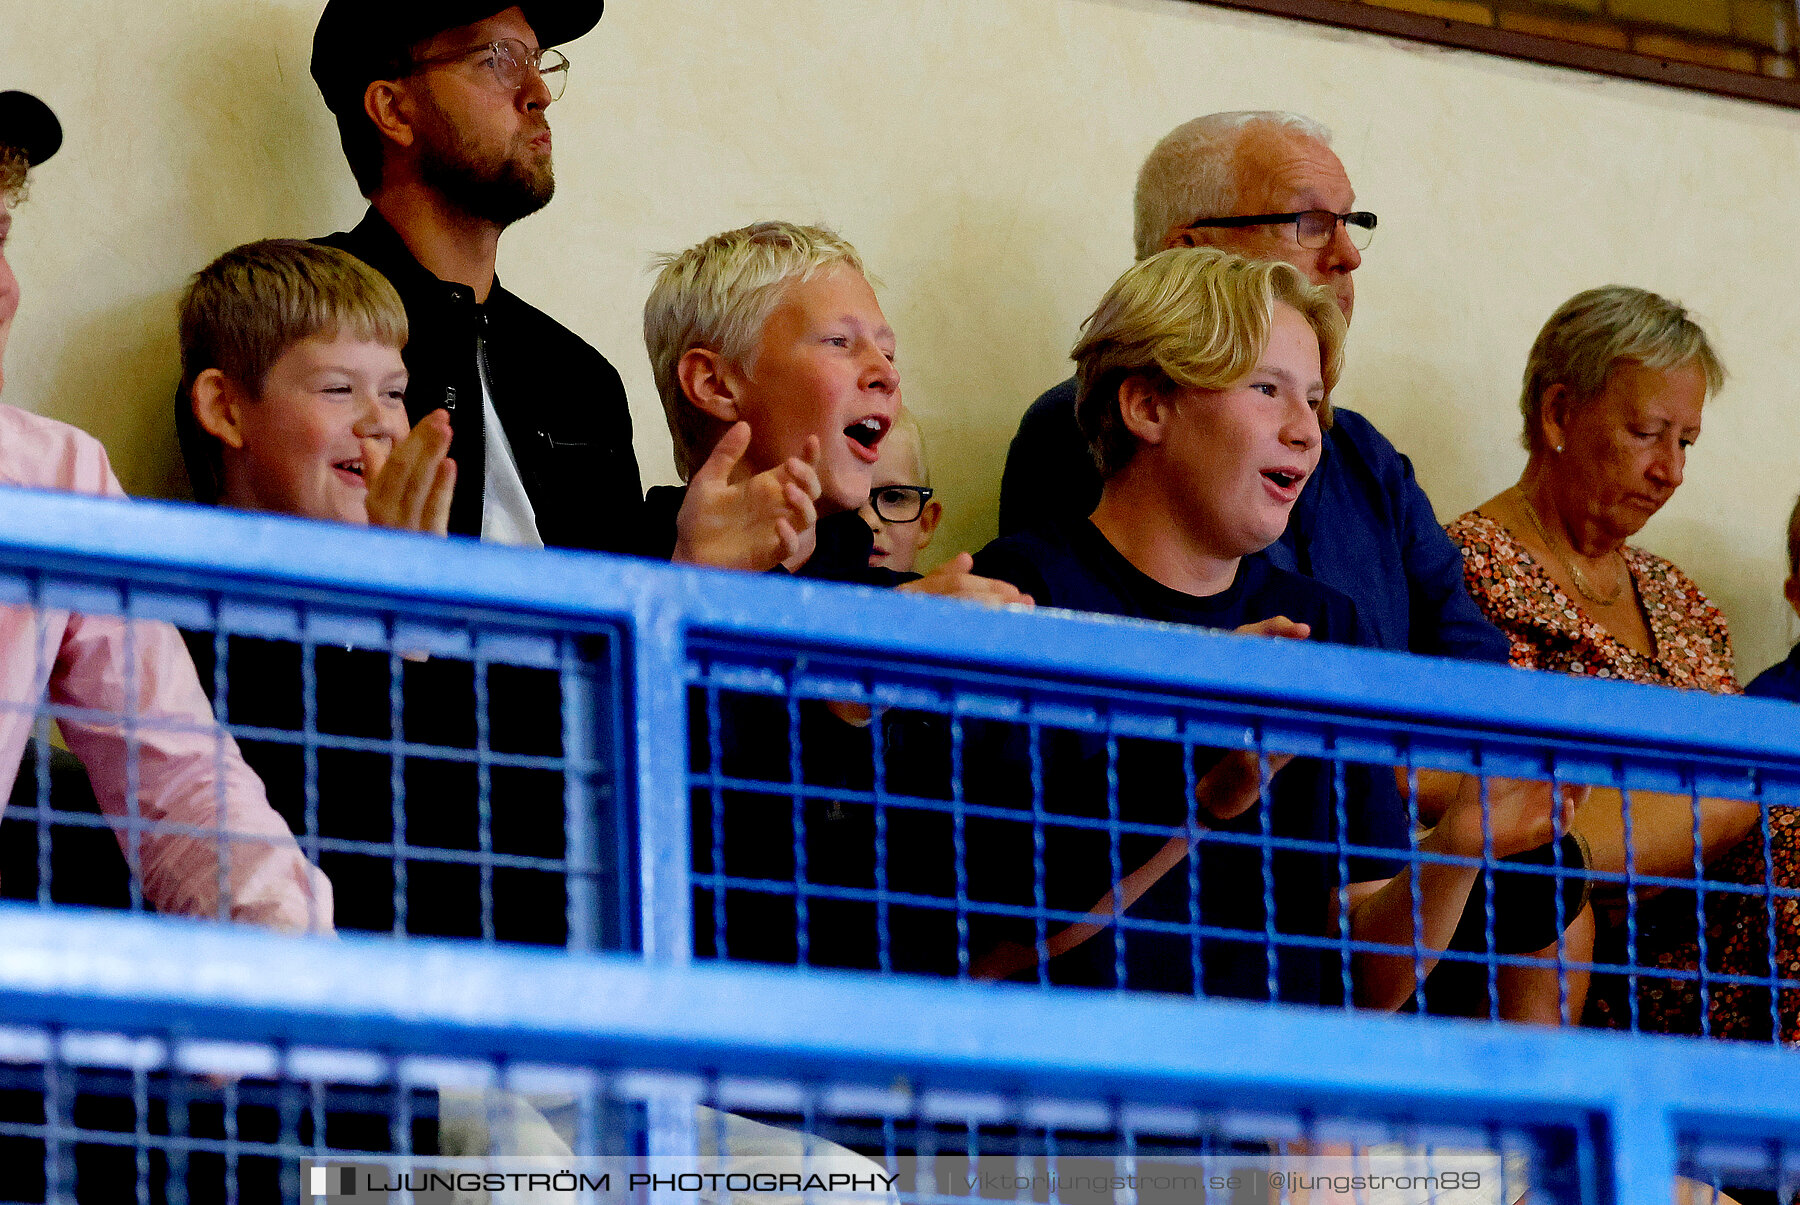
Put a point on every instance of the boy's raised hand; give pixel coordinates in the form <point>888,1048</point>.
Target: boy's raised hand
<point>410,487</point>
<point>755,524</point>
<point>1279,626</point>
<point>1234,785</point>
<point>955,578</point>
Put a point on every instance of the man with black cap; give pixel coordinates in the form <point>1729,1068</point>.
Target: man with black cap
<point>440,105</point>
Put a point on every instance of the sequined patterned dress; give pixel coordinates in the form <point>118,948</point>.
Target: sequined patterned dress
<point>1551,631</point>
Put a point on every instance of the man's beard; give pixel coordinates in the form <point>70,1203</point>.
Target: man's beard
<point>500,192</point>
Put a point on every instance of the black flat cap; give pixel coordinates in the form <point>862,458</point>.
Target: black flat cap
<point>27,123</point>
<point>362,40</point>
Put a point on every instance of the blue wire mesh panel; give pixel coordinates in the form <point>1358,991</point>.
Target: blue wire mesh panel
<point>127,1126</point>
<point>1747,1168</point>
<point>115,1118</point>
<point>429,787</point>
<point>970,820</point>
<point>274,1057</point>
<point>452,770</point>
<point>258,1059</point>
<point>795,774</point>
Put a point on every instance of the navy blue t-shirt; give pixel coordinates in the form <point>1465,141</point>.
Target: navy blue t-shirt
<point>1362,526</point>
<point>764,835</point>
<point>1779,681</point>
<point>1073,566</point>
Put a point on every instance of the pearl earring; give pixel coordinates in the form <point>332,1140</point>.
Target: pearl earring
<point>1559,449</point>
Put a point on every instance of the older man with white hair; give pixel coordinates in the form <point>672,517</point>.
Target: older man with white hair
<point>1267,185</point>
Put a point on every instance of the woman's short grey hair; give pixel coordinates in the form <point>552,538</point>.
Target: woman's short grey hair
<point>1190,173</point>
<point>1594,332</point>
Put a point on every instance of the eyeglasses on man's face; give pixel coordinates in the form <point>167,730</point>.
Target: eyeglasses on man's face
<point>1313,228</point>
<point>899,503</point>
<point>512,63</point>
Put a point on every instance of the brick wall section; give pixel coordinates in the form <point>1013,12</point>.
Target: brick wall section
<point>1756,37</point>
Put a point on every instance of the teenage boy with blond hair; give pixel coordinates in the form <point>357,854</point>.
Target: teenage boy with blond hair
<point>1204,384</point>
<point>774,361</point>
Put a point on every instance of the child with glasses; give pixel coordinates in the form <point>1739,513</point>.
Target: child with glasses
<point>901,512</point>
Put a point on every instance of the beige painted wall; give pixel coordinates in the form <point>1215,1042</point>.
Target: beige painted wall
<point>981,153</point>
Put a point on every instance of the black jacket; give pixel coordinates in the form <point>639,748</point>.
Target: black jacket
<point>561,404</point>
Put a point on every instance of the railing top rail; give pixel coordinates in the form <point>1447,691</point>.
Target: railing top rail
<point>137,974</point>
<point>205,551</point>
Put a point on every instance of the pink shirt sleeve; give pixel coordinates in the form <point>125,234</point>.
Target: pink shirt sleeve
<point>197,828</point>
<point>209,843</point>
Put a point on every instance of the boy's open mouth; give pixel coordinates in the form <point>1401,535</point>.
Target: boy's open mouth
<point>866,434</point>
<point>353,468</point>
<point>1284,483</point>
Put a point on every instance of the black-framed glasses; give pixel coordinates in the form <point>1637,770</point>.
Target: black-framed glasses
<point>900,503</point>
<point>1313,228</point>
<point>509,60</point>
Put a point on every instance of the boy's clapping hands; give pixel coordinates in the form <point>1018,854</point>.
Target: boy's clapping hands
<point>754,524</point>
<point>410,486</point>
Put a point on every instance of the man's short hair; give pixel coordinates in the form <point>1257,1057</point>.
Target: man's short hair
<point>356,131</point>
<point>362,150</point>
<point>244,310</point>
<point>1189,316</point>
<point>1191,173</point>
<point>13,168</point>
<point>719,295</point>
<point>1592,333</point>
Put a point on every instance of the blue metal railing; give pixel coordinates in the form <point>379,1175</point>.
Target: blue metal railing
<point>626,704</point>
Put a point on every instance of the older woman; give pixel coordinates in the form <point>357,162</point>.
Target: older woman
<point>1614,391</point>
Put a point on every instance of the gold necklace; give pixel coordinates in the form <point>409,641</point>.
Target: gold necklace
<point>1574,573</point>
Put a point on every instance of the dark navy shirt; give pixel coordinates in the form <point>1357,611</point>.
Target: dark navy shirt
<point>1362,526</point>
<point>1780,681</point>
<point>1073,566</point>
<point>747,833</point>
